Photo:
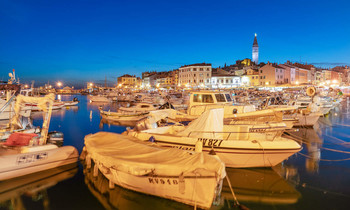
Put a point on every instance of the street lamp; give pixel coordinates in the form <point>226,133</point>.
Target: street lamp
<point>59,84</point>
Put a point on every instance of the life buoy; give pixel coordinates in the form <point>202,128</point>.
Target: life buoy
<point>234,111</point>
<point>311,91</point>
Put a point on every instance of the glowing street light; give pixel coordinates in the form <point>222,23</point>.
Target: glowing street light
<point>59,84</point>
<point>25,86</point>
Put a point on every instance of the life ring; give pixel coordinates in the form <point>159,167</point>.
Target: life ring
<point>311,91</point>
<point>234,111</point>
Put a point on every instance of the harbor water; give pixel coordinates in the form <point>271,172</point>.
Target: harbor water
<point>318,177</point>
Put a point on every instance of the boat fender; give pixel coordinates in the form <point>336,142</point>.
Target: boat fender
<point>234,111</point>
<point>88,161</point>
<point>152,139</point>
<point>111,184</point>
<point>95,174</point>
<point>182,186</point>
<point>311,91</point>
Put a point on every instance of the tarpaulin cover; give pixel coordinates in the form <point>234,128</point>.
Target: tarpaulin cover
<point>210,123</point>
<point>127,154</point>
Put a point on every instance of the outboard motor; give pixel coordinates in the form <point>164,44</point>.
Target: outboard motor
<point>56,138</point>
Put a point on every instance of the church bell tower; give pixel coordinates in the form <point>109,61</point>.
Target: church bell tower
<point>255,53</point>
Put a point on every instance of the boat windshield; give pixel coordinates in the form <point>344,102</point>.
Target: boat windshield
<point>220,98</point>
<point>228,97</point>
<point>203,98</point>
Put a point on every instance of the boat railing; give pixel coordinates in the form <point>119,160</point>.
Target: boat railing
<point>255,134</point>
<point>206,107</point>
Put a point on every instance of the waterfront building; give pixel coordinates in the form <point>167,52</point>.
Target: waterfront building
<point>127,80</point>
<point>223,79</point>
<point>305,73</point>
<point>255,51</point>
<point>174,77</point>
<point>195,75</point>
<point>163,79</point>
<point>251,78</point>
<point>289,73</point>
<point>271,74</point>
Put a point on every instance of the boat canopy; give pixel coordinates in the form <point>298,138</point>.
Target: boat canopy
<point>127,154</point>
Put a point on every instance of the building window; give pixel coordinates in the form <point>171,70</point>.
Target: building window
<point>194,69</point>
<point>200,69</point>
<point>194,81</point>
<point>207,80</point>
<point>194,75</point>
<point>227,81</point>
<point>260,71</point>
<point>264,77</point>
<point>207,75</point>
<point>208,69</point>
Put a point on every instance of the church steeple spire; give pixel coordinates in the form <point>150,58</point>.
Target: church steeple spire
<point>255,43</point>
<point>255,53</point>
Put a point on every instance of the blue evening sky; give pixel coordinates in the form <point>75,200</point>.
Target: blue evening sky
<point>76,41</point>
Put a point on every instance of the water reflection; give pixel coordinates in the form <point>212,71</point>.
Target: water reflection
<point>120,198</point>
<point>310,137</point>
<point>33,187</point>
<point>260,185</point>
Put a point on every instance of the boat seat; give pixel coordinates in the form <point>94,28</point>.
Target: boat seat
<point>19,139</point>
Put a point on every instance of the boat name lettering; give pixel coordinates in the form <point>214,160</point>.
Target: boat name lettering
<point>211,142</point>
<point>257,130</point>
<point>163,181</point>
<point>31,158</point>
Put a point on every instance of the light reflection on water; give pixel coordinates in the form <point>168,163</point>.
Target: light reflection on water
<point>303,181</point>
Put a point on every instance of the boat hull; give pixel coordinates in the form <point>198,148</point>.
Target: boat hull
<point>38,158</point>
<point>190,190</point>
<point>234,153</point>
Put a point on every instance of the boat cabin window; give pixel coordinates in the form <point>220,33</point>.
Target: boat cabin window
<point>144,106</point>
<point>228,97</point>
<point>220,97</point>
<point>203,98</point>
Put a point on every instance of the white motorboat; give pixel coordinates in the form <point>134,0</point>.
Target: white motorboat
<point>74,102</point>
<point>122,118</point>
<point>139,108</point>
<point>202,101</point>
<point>7,110</point>
<point>238,147</point>
<point>99,98</point>
<point>26,153</point>
<point>194,179</point>
<point>35,107</point>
